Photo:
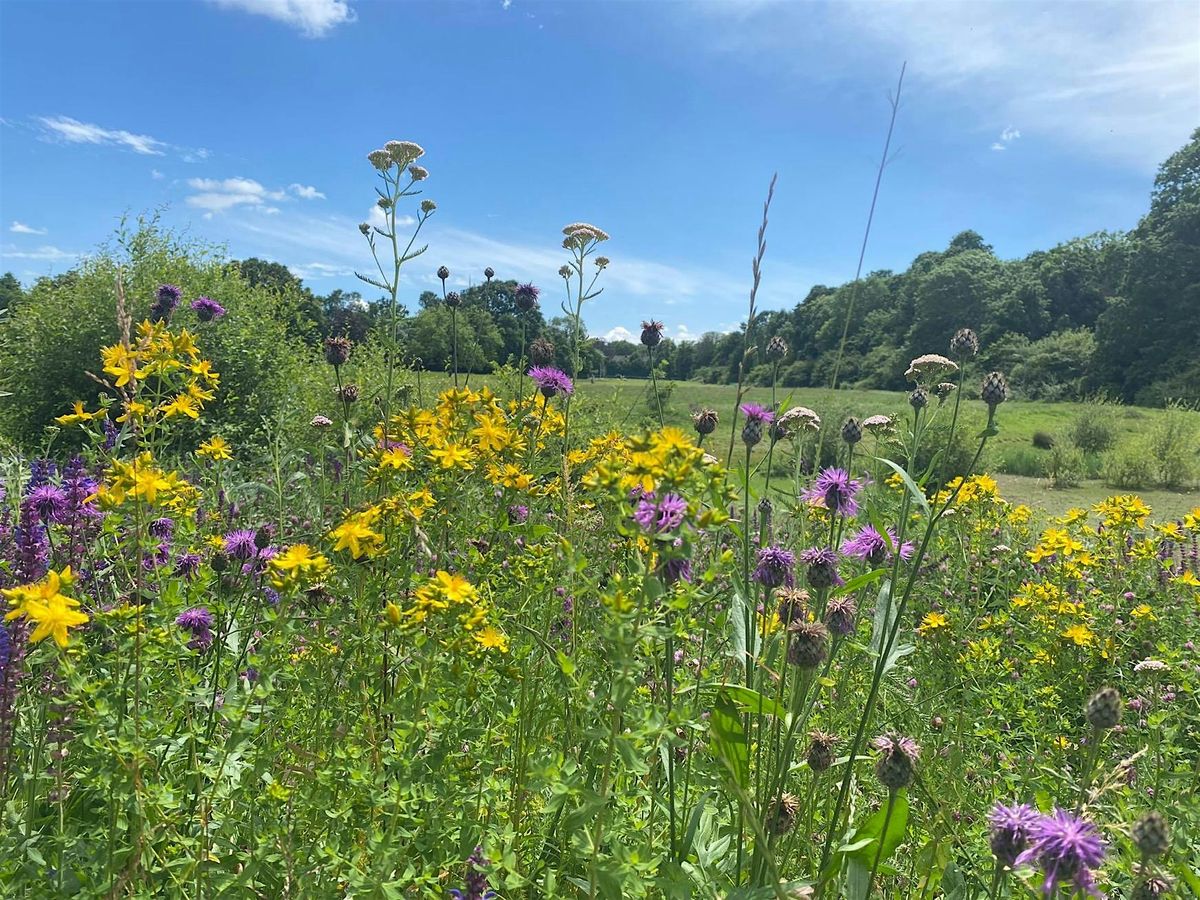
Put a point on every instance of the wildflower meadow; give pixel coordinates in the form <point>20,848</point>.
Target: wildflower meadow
<point>476,640</point>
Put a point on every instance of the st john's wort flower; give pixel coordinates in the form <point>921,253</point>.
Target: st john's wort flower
<point>1066,848</point>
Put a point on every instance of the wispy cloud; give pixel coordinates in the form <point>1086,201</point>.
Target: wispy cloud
<point>306,192</point>
<point>217,195</point>
<point>157,175</point>
<point>47,253</point>
<point>313,18</point>
<point>21,228</point>
<point>72,131</point>
<point>1007,136</point>
<point>1116,80</point>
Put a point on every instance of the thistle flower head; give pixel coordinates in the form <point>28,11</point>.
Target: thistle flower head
<point>793,604</point>
<point>919,398</point>
<point>897,760</point>
<point>541,351</point>
<point>207,309</point>
<point>337,350</point>
<point>1103,710</point>
<point>821,567</point>
<point>652,332</point>
<point>660,514</point>
<point>551,381</point>
<point>808,644</point>
<point>840,613</point>
<point>705,421</point>
<point>784,813</point>
<point>1066,849</point>
<point>1152,835</point>
<point>869,544</point>
<point>453,300</point>
<point>964,343</point>
<point>773,567</point>
<point>820,750</point>
<point>443,272</point>
<point>851,430</point>
<point>1010,828</point>
<point>489,273</point>
<point>777,348</point>
<point>835,491</point>
<point>526,297</point>
<point>48,502</point>
<point>994,390</point>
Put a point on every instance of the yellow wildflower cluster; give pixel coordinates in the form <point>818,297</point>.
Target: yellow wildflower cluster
<point>297,564</point>
<point>1124,511</point>
<point>446,591</point>
<point>978,489</point>
<point>44,604</point>
<point>142,480</point>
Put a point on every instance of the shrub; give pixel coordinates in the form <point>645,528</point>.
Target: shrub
<point>1043,440</point>
<point>1065,466</point>
<point>1172,446</point>
<point>1021,460</point>
<point>1095,430</point>
<point>1128,466</point>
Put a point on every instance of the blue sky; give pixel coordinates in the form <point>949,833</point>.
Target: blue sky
<point>248,121</point>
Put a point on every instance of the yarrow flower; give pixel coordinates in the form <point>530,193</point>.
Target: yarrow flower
<point>1066,848</point>
<point>870,545</point>
<point>1011,828</point>
<point>551,381</point>
<point>207,309</point>
<point>835,490</point>
<point>665,514</point>
<point>774,567</point>
<point>927,369</point>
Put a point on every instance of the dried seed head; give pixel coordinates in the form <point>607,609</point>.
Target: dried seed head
<point>1103,709</point>
<point>489,273</point>
<point>652,332</point>
<point>820,750</point>
<point>840,614</point>
<point>783,814</point>
<point>851,430</point>
<point>454,300</point>
<point>994,390</point>
<point>337,350</point>
<point>364,228</point>
<point>428,206</point>
<point>1152,835</point>
<point>541,351</point>
<point>705,421</point>
<point>808,644</point>
<point>944,390</point>
<point>793,604</point>
<point>964,343</point>
<point>443,272</point>
<point>564,271</point>
<point>348,393</point>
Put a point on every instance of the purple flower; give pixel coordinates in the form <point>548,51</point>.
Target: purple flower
<point>207,309</point>
<point>774,567</point>
<point>526,297</point>
<point>835,489</point>
<point>240,544</point>
<point>199,621</point>
<point>676,569</point>
<point>867,543</point>
<point>660,515</point>
<point>187,565</point>
<point>166,298</point>
<point>1011,827</point>
<point>821,563</point>
<point>551,381</point>
<point>758,413</point>
<point>476,881</point>
<point>1066,848</point>
<point>518,514</point>
<point>840,614</point>
<point>162,528</point>
<point>48,502</point>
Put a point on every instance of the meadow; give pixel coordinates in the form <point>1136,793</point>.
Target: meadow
<point>523,635</point>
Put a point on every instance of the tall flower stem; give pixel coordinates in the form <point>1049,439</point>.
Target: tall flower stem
<point>654,383</point>
<point>887,820</point>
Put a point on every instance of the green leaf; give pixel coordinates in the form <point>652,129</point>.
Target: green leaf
<point>873,827</point>
<point>861,581</point>
<point>908,483</point>
<point>883,618</point>
<point>729,739</point>
<point>744,698</point>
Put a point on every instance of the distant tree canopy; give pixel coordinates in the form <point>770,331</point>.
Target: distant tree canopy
<point>1107,313</point>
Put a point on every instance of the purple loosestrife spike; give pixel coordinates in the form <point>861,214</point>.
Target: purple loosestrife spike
<point>1066,849</point>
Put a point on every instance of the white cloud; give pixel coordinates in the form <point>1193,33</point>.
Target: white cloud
<point>73,131</point>
<point>157,175</point>
<point>1007,136</point>
<point>306,192</point>
<point>219,195</point>
<point>46,252</point>
<point>21,228</point>
<point>1114,79</point>
<point>376,218</point>
<point>314,18</point>
<point>313,270</point>
<point>621,333</point>
<point>505,4</point>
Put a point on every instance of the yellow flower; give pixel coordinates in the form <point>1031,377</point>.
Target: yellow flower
<point>492,638</point>
<point>1019,514</point>
<point>393,614</point>
<point>454,588</point>
<point>1192,520</point>
<point>1123,511</point>
<point>1188,577</point>
<point>1081,635</point>
<point>119,363</point>
<point>396,458</point>
<point>182,405</point>
<point>135,409</point>
<point>453,456</point>
<point>932,622</point>
<point>215,448</point>
<point>44,603</point>
<point>491,434</point>
<point>1143,611</point>
<point>357,536</point>
<point>80,415</point>
<point>295,562</point>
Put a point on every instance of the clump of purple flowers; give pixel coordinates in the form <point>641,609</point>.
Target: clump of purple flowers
<point>1066,848</point>
<point>199,621</point>
<point>207,309</point>
<point>869,544</point>
<point>47,502</point>
<point>835,490</point>
<point>774,567</point>
<point>660,514</point>
<point>1011,827</point>
<point>551,381</point>
<point>166,298</point>
<point>518,514</point>
<point>476,882</point>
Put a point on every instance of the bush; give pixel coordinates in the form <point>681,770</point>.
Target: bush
<point>1065,466</point>
<point>50,341</point>
<point>1095,430</point>
<point>1172,445</point>
<point>1128,466</point>
<point>1021,460</point>
<point>1043,440</point>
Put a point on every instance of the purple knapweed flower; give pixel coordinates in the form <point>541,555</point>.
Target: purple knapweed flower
<point>48,502</point>
<point>821,563</point>
<point>207,309</point>
<point>773,567</point>
<point>199,621</point>
<point>166,298</point>
<point>476,881</point>
<point>834,489</point>
<point>677,569</point>
<point>187,565</point>
<point>867,543</point>
<point>526,297</point>
<point>163,528</point>
<point>551,381</point>
<point>1066,848</point>
<point>518,514</point>
<point>758,413</point>
<point>1011,827</point>
<point>665,514</point>
<point>240,544</point>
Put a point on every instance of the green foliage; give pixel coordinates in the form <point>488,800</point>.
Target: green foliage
<point>1129,466</point>
<point>1065,466</point>
<point>1094,430</point>
<point>1174,448</point>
